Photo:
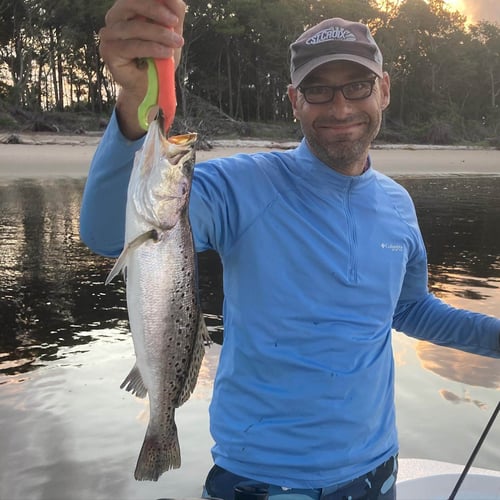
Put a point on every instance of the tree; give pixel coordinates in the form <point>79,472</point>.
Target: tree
<point>488,35</point>
<point>445,76</point>
<point>15,51</point>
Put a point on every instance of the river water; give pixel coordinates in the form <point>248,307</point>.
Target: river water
<point>68,431</point>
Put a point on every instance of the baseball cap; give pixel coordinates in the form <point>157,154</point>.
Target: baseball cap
<point>334,40</point>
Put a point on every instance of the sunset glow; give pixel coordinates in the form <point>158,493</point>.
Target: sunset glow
<point>460,6</point>
<point>453,5</point>
<point>473,10</point>
<point>476,10</point>
<point>456,5</point>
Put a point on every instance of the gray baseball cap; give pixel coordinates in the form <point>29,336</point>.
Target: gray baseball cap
<point>334,40</point>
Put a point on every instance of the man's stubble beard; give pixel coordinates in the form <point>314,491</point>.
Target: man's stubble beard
<point>344,154</point>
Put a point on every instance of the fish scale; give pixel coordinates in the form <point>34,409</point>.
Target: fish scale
<point>159,264</point>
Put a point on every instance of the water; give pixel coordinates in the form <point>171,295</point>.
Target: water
<point>67,431</point>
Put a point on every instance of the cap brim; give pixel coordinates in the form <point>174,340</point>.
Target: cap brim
<point>300,73</point>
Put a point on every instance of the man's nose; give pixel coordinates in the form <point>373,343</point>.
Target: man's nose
<point>340,106</point>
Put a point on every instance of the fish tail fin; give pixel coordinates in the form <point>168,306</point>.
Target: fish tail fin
<point>157,456</point>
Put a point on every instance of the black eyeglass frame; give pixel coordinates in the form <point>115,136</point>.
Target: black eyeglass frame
<point>336,88</point>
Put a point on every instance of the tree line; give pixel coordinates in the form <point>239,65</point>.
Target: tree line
<point>445,73</point>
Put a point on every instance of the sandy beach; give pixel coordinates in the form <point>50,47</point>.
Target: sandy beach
<point>47,155</point>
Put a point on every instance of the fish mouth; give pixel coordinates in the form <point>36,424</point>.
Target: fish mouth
<point>184,140</point>
<point>181,147</point>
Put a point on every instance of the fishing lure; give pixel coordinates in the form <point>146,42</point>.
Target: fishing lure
<point>160,93</point>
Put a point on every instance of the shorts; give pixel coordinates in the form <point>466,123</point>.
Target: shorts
<point>379,484</point>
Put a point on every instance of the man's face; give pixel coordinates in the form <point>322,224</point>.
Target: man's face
<point>340,132</point>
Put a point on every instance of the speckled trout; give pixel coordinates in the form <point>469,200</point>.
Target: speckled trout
<point>159,265</point>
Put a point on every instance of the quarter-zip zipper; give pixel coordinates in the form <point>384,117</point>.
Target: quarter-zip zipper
<point>352,271</point>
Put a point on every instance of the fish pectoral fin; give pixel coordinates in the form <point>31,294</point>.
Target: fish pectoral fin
<point>122,259</point>
<point>196,360</point>
<point>133,383</point>
<point>119,265</point>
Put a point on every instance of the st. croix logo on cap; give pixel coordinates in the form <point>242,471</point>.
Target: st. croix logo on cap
<point>329,34</point>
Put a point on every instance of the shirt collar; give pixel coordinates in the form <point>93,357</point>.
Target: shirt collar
<point>308,166</point>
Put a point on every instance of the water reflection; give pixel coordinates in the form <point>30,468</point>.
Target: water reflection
<point>66,429</point>
<point>464,398</point>
<point>450,363</point>
<point>53,292</point>
<point>52,286</point>
<point>460,217</point>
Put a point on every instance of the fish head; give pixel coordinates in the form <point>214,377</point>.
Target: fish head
<point>161,181</point>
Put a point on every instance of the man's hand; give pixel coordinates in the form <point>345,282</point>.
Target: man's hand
<point>137,29</point>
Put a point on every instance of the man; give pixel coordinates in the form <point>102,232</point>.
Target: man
<point>322,256</point>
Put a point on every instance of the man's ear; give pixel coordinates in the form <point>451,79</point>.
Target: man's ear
<point>385,90</point>
<point>292,96</point>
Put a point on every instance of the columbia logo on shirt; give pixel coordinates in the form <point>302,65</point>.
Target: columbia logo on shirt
<point>394,247</point>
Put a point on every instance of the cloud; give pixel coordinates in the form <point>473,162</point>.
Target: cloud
<point>459,366</point>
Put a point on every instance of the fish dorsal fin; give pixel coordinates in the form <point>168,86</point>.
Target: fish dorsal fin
<point>196,359</point>
<point>122,259</point>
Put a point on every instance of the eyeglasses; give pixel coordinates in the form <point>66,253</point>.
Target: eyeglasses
<point>353,91</point>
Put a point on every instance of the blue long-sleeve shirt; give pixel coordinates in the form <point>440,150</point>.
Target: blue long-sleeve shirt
<point>318,268</point>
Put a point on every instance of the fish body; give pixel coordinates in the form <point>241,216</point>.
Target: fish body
<point>165,317</point>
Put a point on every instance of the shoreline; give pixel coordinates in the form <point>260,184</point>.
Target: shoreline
<point>56,155</point>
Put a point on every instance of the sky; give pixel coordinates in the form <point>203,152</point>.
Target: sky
<point>478,10</point>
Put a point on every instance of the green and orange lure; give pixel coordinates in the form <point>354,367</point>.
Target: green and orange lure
<point>160,93</point>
